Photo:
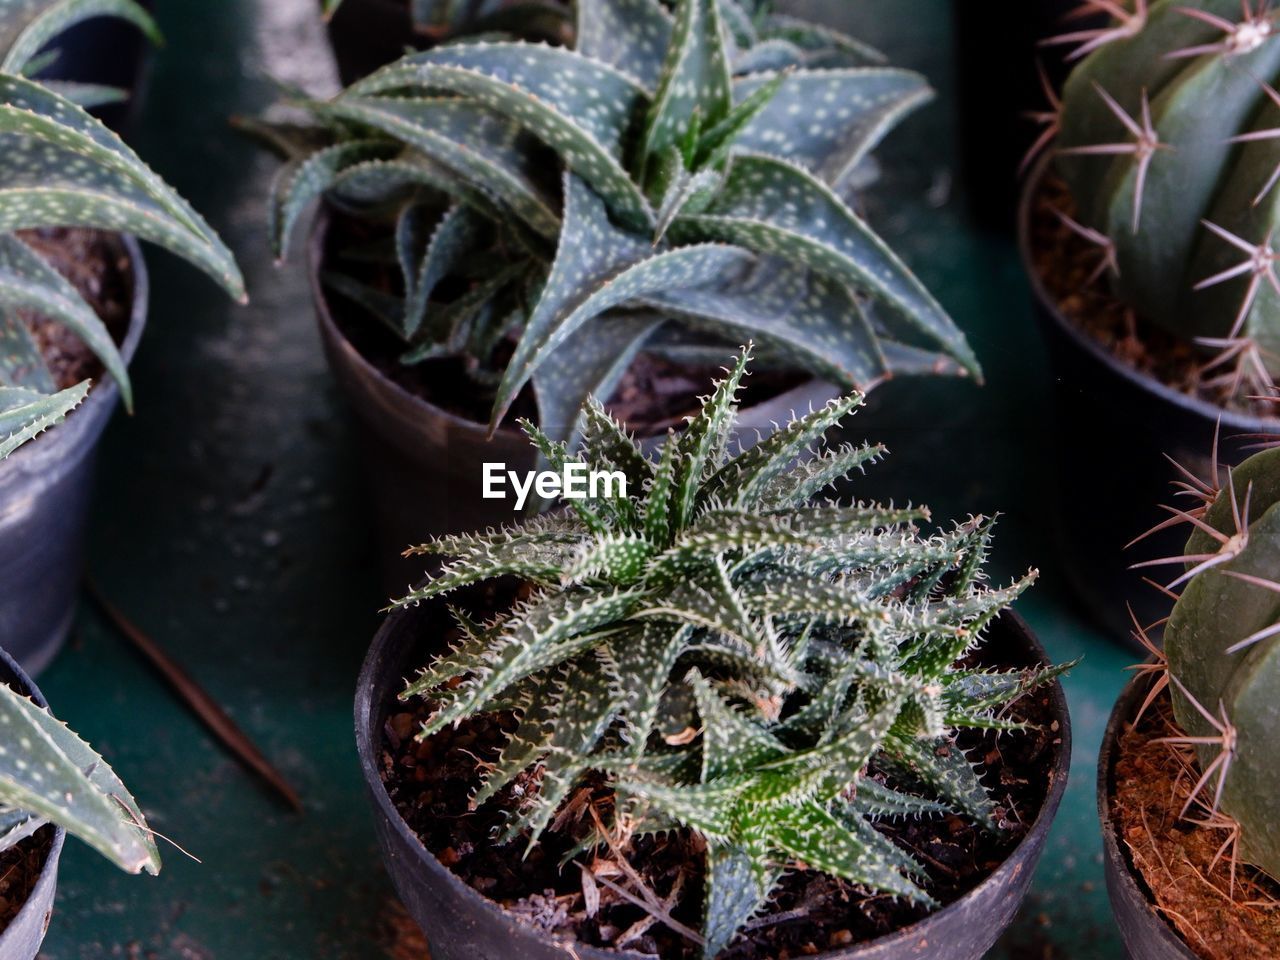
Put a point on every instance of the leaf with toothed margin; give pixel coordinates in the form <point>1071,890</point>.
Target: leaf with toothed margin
<point>773,207</point>
<point>875,799</point>
<point>61,167</point>
<point>828,120</point>
<point>454,239</point>
<point>528,742</point>
<point>598,267</point>
<point>27,26</point>
<point>88,96</point>
<point>705,440</point>
<point>511,558</point>
<point>613,446</point>
<point>740,878</point>
<point>739,23</point>
<point>578,107</point>
<point>695,78</point>
<point>25,414</point>
<point>629,35</point>
<point>641,661</point>
<point>481,148</point>
<point>16,826</point>
<point>942,766</point>
<point>48,770</point>
<point>985,689</point>
<point>298,183</point>
<point>805,317</point>
<point>732,743</point>
<point>811,477</point>
<point>590,362</point>
<point>751,472</point>
<point>27,281</point>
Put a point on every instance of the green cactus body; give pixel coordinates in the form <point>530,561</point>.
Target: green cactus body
<point>1216,611</point>
<point>1204,87</point>
<point>774,673</point>
<point>705,156</point>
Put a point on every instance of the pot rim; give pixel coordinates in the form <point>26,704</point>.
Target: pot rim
<point>42,891</point>
<point>1234,420</point>
<point>1133,886</point>
<point>793,400</point>
<point>51,451</point>
<point>368,698</point>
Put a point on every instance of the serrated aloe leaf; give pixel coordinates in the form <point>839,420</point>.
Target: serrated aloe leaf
<point>63,168</point>
<point>453,240</point>
<point>769,56</point>
<point>48,770</point>
<point>873,798</point>
<point>739,880</point>
<point>530,741</point>
<point>658,505</point>
<point>811,477</point>
<point>827,120</point>
<point>774,207</point>
<point>16,826</point>
<point>629,35</point>
<point>641,661</point>
<point>704,443</point>
<point>613,445</point>
<point>823,46</point>
<point>298,183</point>
<point>29,25</point>
<point>21,362</point>
<point>589,363</point>
<point>740,23</point>
<point>686,193</point>
<point>732,742</point>
<point>714,144</point>
<point>536,562</point>
<point>479,146</point>
<point>28,282</point>
<point>983,689</point>
<point>695,77</point>
<point>25,414</point>
<point>942,766</point>
<point>800,315</point>
<point>710,808</point>
<point>578,107</point>
<point>88,96</point>
<point>598,267</point>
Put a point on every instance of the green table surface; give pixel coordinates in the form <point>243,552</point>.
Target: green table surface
<point>230,523</point>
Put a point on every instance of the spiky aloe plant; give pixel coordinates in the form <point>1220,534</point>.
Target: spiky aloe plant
<point>772,674</point>
<point>59,167</point>
<point>49,775</point>
<point>700,163</point>
<point>1168,135</point>
<point>25,414</point>
<point>1221,658</point>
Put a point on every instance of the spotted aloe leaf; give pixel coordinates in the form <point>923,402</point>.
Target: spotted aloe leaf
<point>25,414</point>
<point>61,167</point>
<point>49,771</point>
<point>89,96</point>
<point>598,266</point>
<point>695,80</point>
<point>27,26</point>
<point>577,106</point>
<point>630,35</point>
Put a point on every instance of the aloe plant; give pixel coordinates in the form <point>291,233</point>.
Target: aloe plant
<point>1168,135</point>
<point>1221,657</point>
<point>773,674</point>
<point>702,160</point>
<point>49,775</point>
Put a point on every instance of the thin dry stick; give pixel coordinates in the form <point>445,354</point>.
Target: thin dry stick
<point>201,703</point>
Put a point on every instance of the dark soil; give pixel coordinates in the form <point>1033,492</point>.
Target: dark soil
<point>20,867</point>
<point>1220,918</point>
<point>653,396</point>
<point>1065,262</point>
<point>429,783</point>
<point>98,267</point>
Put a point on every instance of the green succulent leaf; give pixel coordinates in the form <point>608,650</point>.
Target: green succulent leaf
<point>28,26</point>
<point>25,414</point>
<point>630,35</point>
<point>695,79</point>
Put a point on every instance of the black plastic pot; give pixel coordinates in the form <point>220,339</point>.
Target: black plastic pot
<point>21,939</point>
<point>1147,935</point>
<point>1113,427</point>
<point>109,51</point>
<point>368,34</point>
<point>45,489</point>
<point>997,50</point>
<point>461,924</point>
<point>424,464</point>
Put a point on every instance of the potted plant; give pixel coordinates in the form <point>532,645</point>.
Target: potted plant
<point>91,53</point>
<point>515,227</point>
<point>1147,242</point>
<point>73,301</point>
<point>707,715</point>
<point>52,783</point>
<point>368,34</point>
<point>1187,779</point>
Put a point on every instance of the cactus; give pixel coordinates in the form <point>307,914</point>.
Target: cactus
<point>703,160</point>
<point>49,775</point>
<point>773,674</point>
<point>1222,651</point>
<point>60,167</point>
<point>1167,136</point>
